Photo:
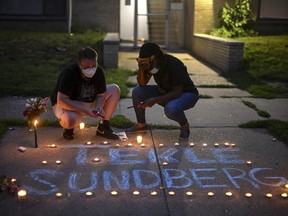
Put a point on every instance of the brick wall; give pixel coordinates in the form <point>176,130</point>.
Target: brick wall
<point>95,14</point>
<point>225,54</point>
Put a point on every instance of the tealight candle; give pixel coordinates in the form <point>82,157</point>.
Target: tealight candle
<point>52,146</point>
<point>22,194</point>
<point>105,142</point>
<point>286,186</point>
<point>227,144</point>
<point>248,195</point>
<point>153,193</point>
<point>228,193</point>
<point>129,145</point>
<point>114,193</point>
<point>269,195</point>
<point>58,195</point>
<point>191,144</point>
<point>139,139</point>
<point>176,144</point>
<point>161,145</point>
<point>117,145</point>
<point>89,193</point>
<point>58,162</point>
<point>136,193</point>
<point>89,143</point>
<point>233,145</point>
<point>142,145</point>
<point>216,145</point>
<point>165,163</point>
<point>210,194</point>
<point>171,193</point>
<point>284,195</point>
<point>96,159</point>
<point>189,193</point>
<point>249,163</point>
<point>204,144</point>
<point>13,180</point>
<point>44,162</point>
<point>82,125</point>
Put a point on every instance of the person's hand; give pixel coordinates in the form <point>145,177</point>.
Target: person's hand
<point>98,112</point>
<point>143,66</point>
<point>147,103</point>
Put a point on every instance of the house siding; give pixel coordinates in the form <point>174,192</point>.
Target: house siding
<point>96,14</point>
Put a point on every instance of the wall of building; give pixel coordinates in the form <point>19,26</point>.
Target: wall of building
<point>96,14</point>
<point>224,54</point>
<point>88,14</point>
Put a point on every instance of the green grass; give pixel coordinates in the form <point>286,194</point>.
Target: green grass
<point>266,72</point>
<point>31,61</point>
<point>261,113</point>
<point>277,128</point>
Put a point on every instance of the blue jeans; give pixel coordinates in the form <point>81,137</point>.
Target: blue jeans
<point>174,109</point>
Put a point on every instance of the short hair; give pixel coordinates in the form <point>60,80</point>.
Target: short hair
<point>87,53</point>
<point>149,49</point>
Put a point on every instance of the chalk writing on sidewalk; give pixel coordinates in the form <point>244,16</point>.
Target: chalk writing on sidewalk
<point>217,168</point>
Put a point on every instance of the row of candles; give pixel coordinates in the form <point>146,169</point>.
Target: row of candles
<point>22,194</point>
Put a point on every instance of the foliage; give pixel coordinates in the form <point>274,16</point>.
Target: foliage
<point>234,20</point>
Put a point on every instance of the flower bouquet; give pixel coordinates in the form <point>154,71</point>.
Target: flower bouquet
<point>34,107</point>
<point>9,184</point>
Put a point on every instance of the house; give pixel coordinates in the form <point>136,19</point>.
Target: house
<point>171,23</point>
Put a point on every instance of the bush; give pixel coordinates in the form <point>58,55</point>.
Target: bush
<point>234,20</point>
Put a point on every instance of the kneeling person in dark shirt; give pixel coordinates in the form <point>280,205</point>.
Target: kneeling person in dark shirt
<point>80,91</point>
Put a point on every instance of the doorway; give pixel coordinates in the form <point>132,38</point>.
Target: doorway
<point>151,20</point>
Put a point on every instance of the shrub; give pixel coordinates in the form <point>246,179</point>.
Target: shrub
<point>234,20</point>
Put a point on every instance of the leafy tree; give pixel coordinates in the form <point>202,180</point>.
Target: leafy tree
<point>234,20</point>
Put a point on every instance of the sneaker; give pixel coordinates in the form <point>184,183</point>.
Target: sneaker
<point>184,131</point>
<point>137,128</point>
<point>68,134</point>
<point>106,131</point>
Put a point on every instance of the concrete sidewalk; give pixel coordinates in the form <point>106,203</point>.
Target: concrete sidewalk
<point>181,172</point>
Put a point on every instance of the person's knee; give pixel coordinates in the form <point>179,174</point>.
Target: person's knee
<point>114,88</point>
<point>172,110</point>
<point>136,91</point>
<point>70,120</point>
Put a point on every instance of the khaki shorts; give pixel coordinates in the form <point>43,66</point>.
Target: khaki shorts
<point>59,111</point>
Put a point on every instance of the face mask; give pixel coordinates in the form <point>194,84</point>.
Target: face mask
<point>89,72</point>
<point>154,70</point>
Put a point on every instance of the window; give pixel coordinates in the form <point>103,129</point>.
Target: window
<point>276,9</point>
<point>39,8</point>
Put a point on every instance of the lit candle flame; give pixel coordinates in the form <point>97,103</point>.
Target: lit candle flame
<point>136,193</point>
<point>228,193</point>
<point>22,194</point>
<point>58,195</point>
<point>114,193</point>
<point>153,193</point>
<point>139,139</point>
<point>89,193</point>
<point>210,194</point>
<point>248,195</point>
<point>82,125</point>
